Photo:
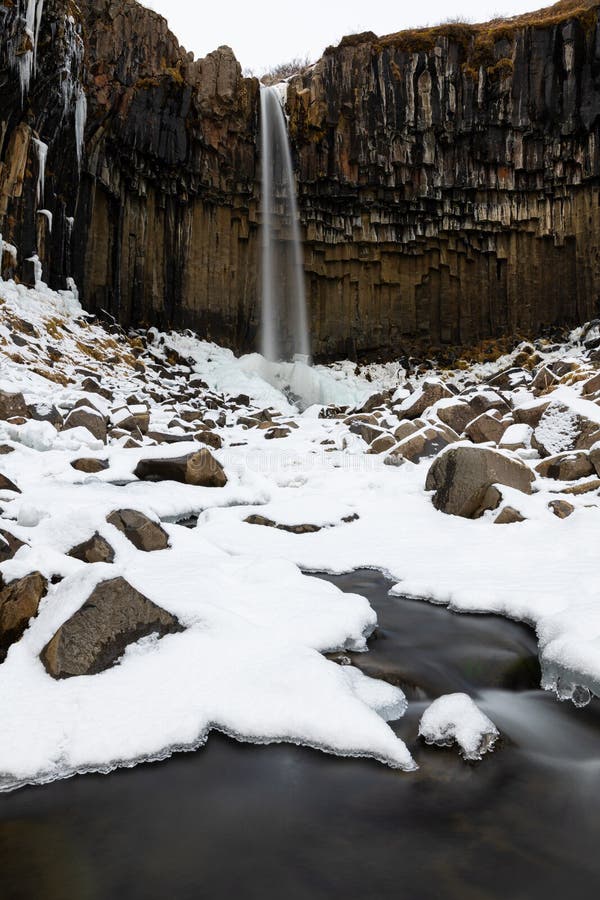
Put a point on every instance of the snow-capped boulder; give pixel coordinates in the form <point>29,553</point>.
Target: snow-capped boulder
<point>144,534</point>
<point>462,476</point>
<point>114,616</point>
<point>487,428</point>
<point>200,469</point>
<point>456,719</point>
<point>90,418</point>
<point>430,393</point>
<point>567,466</point>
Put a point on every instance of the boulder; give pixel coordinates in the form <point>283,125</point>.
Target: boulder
<point>486,401</point>
<point>487,428</point>
<point>427,442</point>
<point>517,437</point>
<point>96,550</point>
<point>114,616</point>
<point>561,509</point>
<point>405,429</point>
<point>90,466</point>
<point>86,417</point>
<point>456,415</point>
<point>144,534</point>
<point>428,395</point>
<point>461,477</point>
<point>543,380</point>
<point>200,469</point>
<point>567,466</point>
<point>591,386</point>
<point>531,414</point>
<point>562,429</point>
<point>291,529</point>
<point>595,458</point>
<point>134,420</point>
<point>19,603</point>
<point>12,405</point>
<point>210,438</point>
<point>383,444</point>
<point>275,434</point>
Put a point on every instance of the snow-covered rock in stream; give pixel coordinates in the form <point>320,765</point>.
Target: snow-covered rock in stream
<point>456,719</point>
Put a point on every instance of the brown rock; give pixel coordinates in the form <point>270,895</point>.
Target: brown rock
<point>143,533</point>
<point>274,434</point>
<point>383,443</point>
<point>561,509</point>
<point>9,546</point>
<point>86,417</point>
<point>591,386</point>
<point>96,550</point>
<point>7,485</point>
<point>544,379</point>
<point>462,475</point>
<point>200,469</point>
<point>291,529</point>
<point>429,394</point>
<point>486,401</point>
<point>566,466</point>
<point>5,450</point>
<point>487,428</point>
<point>509,516</point>
<point>12,405</point>
<point>19,602</point>
<point>562,430</point>
<point>114,616</point>
<point>531,415</point>
<point>91,386</point>
<point>595,459</point>
<point>427,442</point>
<point>456,415</point>
<point>210,439</point>
<point>90,466</point>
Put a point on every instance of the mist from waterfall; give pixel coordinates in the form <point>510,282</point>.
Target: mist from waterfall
<point>284,324</point>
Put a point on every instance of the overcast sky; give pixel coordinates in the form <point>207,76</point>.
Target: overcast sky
<point>266,32</point>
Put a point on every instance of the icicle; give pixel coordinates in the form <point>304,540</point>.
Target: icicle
<point>42,155</point>
<point>27,61</point>
<point>80,120</point>
<point>49,217</point>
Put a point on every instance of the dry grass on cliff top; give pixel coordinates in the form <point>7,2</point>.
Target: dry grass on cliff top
<point>476,37</point>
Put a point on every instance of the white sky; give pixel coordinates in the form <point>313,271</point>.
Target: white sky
<point>266,32</point>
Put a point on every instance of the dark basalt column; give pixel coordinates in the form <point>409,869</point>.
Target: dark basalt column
<point>449,179</point>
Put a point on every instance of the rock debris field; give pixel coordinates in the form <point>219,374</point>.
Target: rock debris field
<point>163,504</point>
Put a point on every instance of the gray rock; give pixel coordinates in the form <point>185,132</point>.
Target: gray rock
<point>462,476</point>
<point>13,405</point>
<point>114,616</point>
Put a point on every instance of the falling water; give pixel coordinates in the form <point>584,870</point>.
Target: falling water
<point>284,330</point>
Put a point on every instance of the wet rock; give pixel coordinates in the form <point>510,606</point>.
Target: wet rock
<point>96,550</point>
<point>462,475</point>
<point>19,603</point>
<point>566,466</point>
<point>90,466</point>
<point>561,508</point>
<point>86,417</point>
<point>200,469</point>
<point>144,534</point>
<point>114,616</point>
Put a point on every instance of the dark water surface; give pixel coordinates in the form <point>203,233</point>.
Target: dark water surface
<point>282,823</point>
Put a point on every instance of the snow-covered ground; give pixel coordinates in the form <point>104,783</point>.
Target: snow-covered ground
<point>250,662</point>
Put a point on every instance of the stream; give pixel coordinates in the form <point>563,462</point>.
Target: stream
<point>282,822</point>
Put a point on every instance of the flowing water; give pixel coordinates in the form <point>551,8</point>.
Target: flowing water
<point>284,324</point>
<point>283,822</point>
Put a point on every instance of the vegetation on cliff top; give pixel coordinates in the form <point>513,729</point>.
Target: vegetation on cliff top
<point>478,40</point>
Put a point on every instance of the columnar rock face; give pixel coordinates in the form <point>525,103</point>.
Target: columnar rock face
<point>448,178</point>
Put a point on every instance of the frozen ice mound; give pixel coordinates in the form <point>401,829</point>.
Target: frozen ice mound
<point>457,719</point>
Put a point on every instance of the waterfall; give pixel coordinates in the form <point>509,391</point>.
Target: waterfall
<point>284,326</point>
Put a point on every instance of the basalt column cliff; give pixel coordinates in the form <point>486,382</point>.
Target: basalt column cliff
<point>449,178</point>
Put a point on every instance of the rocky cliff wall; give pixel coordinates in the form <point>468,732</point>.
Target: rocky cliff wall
<point>449,179</point>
